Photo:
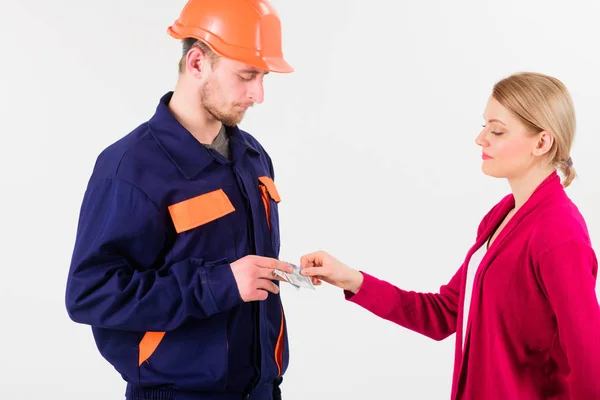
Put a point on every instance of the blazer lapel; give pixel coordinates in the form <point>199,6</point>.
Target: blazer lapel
<point>549,186</point>
<point>542,192</point>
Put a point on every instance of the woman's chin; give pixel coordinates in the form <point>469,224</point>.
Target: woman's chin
<point>492,172</point>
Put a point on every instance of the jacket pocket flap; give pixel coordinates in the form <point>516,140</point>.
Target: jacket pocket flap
<point>271,188</point>
<point>199,210</point>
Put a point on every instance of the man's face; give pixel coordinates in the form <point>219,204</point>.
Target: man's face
<point>230,89</point>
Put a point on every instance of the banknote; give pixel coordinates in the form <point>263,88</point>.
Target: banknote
<point>296,279</point>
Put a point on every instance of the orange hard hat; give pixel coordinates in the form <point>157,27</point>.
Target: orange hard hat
<point>247,31</point>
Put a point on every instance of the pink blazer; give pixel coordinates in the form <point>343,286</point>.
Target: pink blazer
<point>534,318</point>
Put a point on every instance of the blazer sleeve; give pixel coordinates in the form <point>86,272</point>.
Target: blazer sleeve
<point>431,314</point>
<point>568,277</point>
<point>119,277</point>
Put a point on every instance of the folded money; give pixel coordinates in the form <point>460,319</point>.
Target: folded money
<point>296,279</point>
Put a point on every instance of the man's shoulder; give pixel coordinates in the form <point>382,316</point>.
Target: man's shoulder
<point>128,151</point>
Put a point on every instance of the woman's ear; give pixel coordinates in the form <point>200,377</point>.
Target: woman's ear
<point>544,143</point>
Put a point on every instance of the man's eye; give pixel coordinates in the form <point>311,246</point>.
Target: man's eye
<point>246,78</point>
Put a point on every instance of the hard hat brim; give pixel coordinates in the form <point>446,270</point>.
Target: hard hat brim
<point>271,64</point>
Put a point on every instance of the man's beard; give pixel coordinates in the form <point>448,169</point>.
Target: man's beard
<point>229,117</point>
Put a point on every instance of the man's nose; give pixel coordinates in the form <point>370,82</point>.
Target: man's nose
<point>257,93</point>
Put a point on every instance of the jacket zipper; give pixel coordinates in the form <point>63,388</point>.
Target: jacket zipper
<point>254,306</point>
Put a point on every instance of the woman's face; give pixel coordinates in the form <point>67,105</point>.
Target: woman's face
<point>509,150</point>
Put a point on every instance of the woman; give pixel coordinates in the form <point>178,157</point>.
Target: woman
<point>523,304</point>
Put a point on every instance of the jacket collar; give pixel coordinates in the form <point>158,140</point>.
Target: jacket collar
<point>549,187</point>
<point>189,155</point>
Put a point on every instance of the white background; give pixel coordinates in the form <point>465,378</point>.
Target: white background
<point>373,143</point>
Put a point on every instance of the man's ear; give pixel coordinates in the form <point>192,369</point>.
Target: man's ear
<point>196,62</point>
<point>544,143</point>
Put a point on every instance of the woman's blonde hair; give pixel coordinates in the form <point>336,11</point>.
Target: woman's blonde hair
<point>542,103</point>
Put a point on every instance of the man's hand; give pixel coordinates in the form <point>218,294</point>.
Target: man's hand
<point>254,276</point>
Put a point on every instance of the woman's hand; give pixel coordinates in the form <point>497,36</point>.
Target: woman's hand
<point>320,266</point>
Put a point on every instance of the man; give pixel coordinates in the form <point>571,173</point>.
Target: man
<point>178,239</point>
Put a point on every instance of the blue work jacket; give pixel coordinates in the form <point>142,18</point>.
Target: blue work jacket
<point>162,219</point>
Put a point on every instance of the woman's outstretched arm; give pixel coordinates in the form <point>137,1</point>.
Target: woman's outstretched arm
<point>431,314</point>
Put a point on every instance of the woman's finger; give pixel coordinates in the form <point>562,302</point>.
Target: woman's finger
<point>313,259</point>
<point>314,271</point>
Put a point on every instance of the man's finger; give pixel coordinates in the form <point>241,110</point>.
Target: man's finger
<point>283,266</point>
<point>267,285</point>
<point>276,277</point>
<point>270,274</point>
<point>260,295</point>
<point>272,263</point>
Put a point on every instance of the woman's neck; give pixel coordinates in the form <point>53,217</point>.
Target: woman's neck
<point>523,187</point>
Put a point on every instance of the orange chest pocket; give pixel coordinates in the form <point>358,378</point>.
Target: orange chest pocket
<point>200,210</point>
<point>186,215</point>
<point>269,193</point>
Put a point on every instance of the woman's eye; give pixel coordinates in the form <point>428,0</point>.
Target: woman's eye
<point>493,132</point>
